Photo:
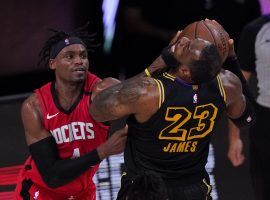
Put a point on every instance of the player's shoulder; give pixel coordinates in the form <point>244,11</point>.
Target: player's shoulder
<point>229,79</point>
<point>231,83</point>
<point>31,103</point>
<point>148,83</point>
<point>143,87</point>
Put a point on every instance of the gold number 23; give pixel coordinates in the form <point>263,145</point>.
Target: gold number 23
<point>200,123</point>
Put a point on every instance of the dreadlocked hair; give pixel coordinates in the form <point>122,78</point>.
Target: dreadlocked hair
<point>81,32</point>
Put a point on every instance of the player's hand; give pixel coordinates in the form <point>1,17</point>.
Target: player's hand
<point>235,154</point>
<point>231,53</point>
<point>114,145</point>
<point>159,66</point>
<point>235,151</point>
<point>175,38</point>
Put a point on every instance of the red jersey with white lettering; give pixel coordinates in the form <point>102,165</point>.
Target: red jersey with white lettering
<point>75,133</point>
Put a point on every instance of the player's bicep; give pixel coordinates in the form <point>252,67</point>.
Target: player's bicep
<point>32,121</point>
<point>235,101</point>
<point>121,100</point>
<point>103,84</point>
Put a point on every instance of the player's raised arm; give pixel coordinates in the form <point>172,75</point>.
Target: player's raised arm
<point>239,108</point>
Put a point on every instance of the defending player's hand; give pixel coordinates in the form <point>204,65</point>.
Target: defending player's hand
<point>114,145</point>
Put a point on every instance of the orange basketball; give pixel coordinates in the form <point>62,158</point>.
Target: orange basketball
<point>210,31</point>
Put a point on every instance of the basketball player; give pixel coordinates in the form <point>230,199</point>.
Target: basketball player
<point>66,144</point>
<point>172,117</point>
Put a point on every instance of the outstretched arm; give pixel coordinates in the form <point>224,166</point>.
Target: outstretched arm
<point>134,96</point>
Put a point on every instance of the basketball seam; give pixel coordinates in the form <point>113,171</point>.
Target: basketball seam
<point>195,32</point>
<point>210,32</point>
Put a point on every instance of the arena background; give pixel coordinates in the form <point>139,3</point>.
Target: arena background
<point>22,35</point>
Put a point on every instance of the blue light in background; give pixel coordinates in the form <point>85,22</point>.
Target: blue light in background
<point>109,8</point>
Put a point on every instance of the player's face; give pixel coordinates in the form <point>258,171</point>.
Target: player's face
<point>71,64</point>
<point>187,51</point>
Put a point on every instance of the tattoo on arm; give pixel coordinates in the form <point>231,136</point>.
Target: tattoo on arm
<point>121,99</point>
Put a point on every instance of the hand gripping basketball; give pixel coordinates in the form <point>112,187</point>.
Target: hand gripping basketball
<point>211,31</point>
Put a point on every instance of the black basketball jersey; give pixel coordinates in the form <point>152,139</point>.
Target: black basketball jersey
<point>174,142</point>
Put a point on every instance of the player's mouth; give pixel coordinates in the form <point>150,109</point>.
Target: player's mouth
<point>80,69</point>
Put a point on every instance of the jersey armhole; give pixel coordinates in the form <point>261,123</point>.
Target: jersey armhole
<point>221,88</point>
<point>161,92</point>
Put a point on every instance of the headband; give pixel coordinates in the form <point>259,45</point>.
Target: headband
<point>64,43</point>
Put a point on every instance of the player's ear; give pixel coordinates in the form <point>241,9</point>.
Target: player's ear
<point>52,64</point>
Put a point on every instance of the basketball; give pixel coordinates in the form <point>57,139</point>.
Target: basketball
<point>210,31</point>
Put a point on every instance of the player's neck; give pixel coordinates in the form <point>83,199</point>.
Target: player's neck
<point>67,94</point>
<point>180,77</point>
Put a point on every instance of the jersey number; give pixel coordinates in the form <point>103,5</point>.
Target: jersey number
<point>76,153</point>
<point>204,116</point>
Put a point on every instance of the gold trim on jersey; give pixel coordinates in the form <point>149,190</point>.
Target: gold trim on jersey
<point>221,88</point>
<point>209,188</point>
<point>123,174</point>
<point>147,72</point>
<point>161,92</point>
<point>169,76</point>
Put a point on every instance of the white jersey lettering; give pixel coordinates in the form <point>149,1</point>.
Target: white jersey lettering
<point>73,131</point>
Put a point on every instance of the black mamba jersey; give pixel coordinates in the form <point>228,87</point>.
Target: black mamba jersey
<point>174,142</point>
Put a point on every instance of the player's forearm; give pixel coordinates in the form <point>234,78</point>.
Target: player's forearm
<point>54,171</point>
<point>233,65</point>
<point>247,117</point>
<point>234,131</point>
<point>105,105</point>
<point>120,100</point>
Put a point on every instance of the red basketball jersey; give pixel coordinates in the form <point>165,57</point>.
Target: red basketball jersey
<point>75,133</point>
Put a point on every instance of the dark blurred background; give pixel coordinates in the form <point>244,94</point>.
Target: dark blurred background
<point>24,30</point>
<point>131,33</point>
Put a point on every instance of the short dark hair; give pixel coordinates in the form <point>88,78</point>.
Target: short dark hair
<point>147,185</point>
<point>208,66</point>
<point>81,32</point>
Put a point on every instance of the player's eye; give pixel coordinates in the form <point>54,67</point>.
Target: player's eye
<point>84,56</point>
<point>69,56</point>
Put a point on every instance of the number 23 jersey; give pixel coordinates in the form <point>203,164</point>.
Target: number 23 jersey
<point>174,142</point>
